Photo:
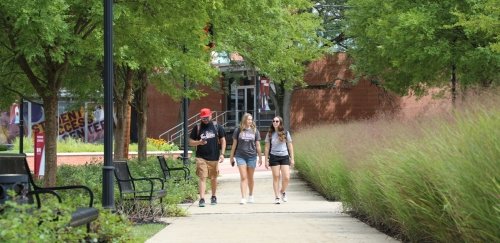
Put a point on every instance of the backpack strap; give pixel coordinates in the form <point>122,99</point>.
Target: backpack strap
<point>286,143</point>
<point>198,126</point>
<point>270,136</point>
<point>237,136</point>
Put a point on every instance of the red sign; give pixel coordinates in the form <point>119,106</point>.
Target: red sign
<point>39,153</point>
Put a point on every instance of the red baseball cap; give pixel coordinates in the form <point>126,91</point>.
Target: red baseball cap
<point>205,112</point>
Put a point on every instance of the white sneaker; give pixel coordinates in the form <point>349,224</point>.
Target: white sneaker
<point>283,197</point>
<point>243,201</point>
<point>277,200</point>
<point>250,199</point>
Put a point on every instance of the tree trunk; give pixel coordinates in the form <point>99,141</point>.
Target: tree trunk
<point>118,129</point>
<point>277,98</point>
<point>51,130</point>
<point>453,84</point>
<point>142,115</point>
<point>48,91</point>
<point>282,99</point>
<point>122,102</point>
<point>277,108</point>
<point>286,108</point>
<point>126,130</point>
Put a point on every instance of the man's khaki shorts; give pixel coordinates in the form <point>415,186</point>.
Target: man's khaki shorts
<point>207,168</point>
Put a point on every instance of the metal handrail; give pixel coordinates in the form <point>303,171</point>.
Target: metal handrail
<point>220,116</point>
<point>178,134</point>
<point>175,127</point>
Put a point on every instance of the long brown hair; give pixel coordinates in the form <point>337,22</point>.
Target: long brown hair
<point>243,123</point>
<point>281,130</point>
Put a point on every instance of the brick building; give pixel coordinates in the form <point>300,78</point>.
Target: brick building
<point>329,97</point>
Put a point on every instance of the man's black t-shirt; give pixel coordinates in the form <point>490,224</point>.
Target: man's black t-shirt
<point>211,150</point>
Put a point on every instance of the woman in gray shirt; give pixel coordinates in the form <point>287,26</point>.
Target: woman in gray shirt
<point>279,155</point>
<point>245,151</point>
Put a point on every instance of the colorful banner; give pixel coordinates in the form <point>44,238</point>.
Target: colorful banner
<point>39,155</point>
<point>72,124</point>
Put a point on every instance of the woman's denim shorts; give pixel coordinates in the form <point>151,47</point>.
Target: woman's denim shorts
<point>249,162</point>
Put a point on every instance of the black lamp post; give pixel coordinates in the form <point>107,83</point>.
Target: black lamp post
<point>21,126</point>
<point>108,200</point>
<point>185,102</point>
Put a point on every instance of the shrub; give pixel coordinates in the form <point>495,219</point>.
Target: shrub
<point>26,223</point>
<point>90,174</point>
<point>113,227</point>
<point>3,147</point>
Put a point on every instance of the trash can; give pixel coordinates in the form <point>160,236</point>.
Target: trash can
<point>18,183</point>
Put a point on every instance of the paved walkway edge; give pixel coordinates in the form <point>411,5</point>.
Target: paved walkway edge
<point>306,217</point>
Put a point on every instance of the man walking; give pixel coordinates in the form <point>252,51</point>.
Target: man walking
<point>210,141</point>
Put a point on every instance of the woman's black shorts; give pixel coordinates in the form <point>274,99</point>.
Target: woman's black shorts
<point>275,160</point>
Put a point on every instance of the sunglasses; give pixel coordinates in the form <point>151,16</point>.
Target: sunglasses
<point>276,121</point>
<point>204,119</point>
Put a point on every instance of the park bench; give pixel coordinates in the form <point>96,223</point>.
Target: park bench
<point>130,190</point>
<point>167,170</point>
<point>16,165</point>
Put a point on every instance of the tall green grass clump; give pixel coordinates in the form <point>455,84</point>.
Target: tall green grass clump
<point>432,179</point>
<point>321,164</point>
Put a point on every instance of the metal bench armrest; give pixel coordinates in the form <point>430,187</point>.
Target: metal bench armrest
<point>91,194</point>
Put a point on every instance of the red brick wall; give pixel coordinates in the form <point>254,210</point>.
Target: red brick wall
<point>164,113</point>
<point>342,100</point>
<point>333,99</point>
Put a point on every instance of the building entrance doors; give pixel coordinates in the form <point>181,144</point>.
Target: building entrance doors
<point>243,101</point>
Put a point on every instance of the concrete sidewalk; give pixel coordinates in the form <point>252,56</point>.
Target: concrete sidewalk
<point>306,217</point>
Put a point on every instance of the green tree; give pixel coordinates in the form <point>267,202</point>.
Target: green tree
<point>420,44</point>
<point>39,42</point>
<point>158,41</point>
<point>481,20</point>
<point>332,13</point>
<point>277,37</point>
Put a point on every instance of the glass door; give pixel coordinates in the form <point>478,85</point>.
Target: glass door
<point>244,101</point>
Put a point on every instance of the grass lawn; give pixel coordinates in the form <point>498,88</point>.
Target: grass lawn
<point>143,232</point>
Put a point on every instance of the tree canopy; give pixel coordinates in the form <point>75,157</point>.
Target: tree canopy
<point>419,44</point>
<point>49,46</point>
<point>39,42</point>
<point>332,13</point>
<point>279,38</point>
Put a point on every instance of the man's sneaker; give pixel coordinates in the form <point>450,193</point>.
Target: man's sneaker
<point>201,203</point>
<point>250,199</point>
<point>277,200</point>
<point>213,200</point>
<point>243,201</point>
<point>283,197</point>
